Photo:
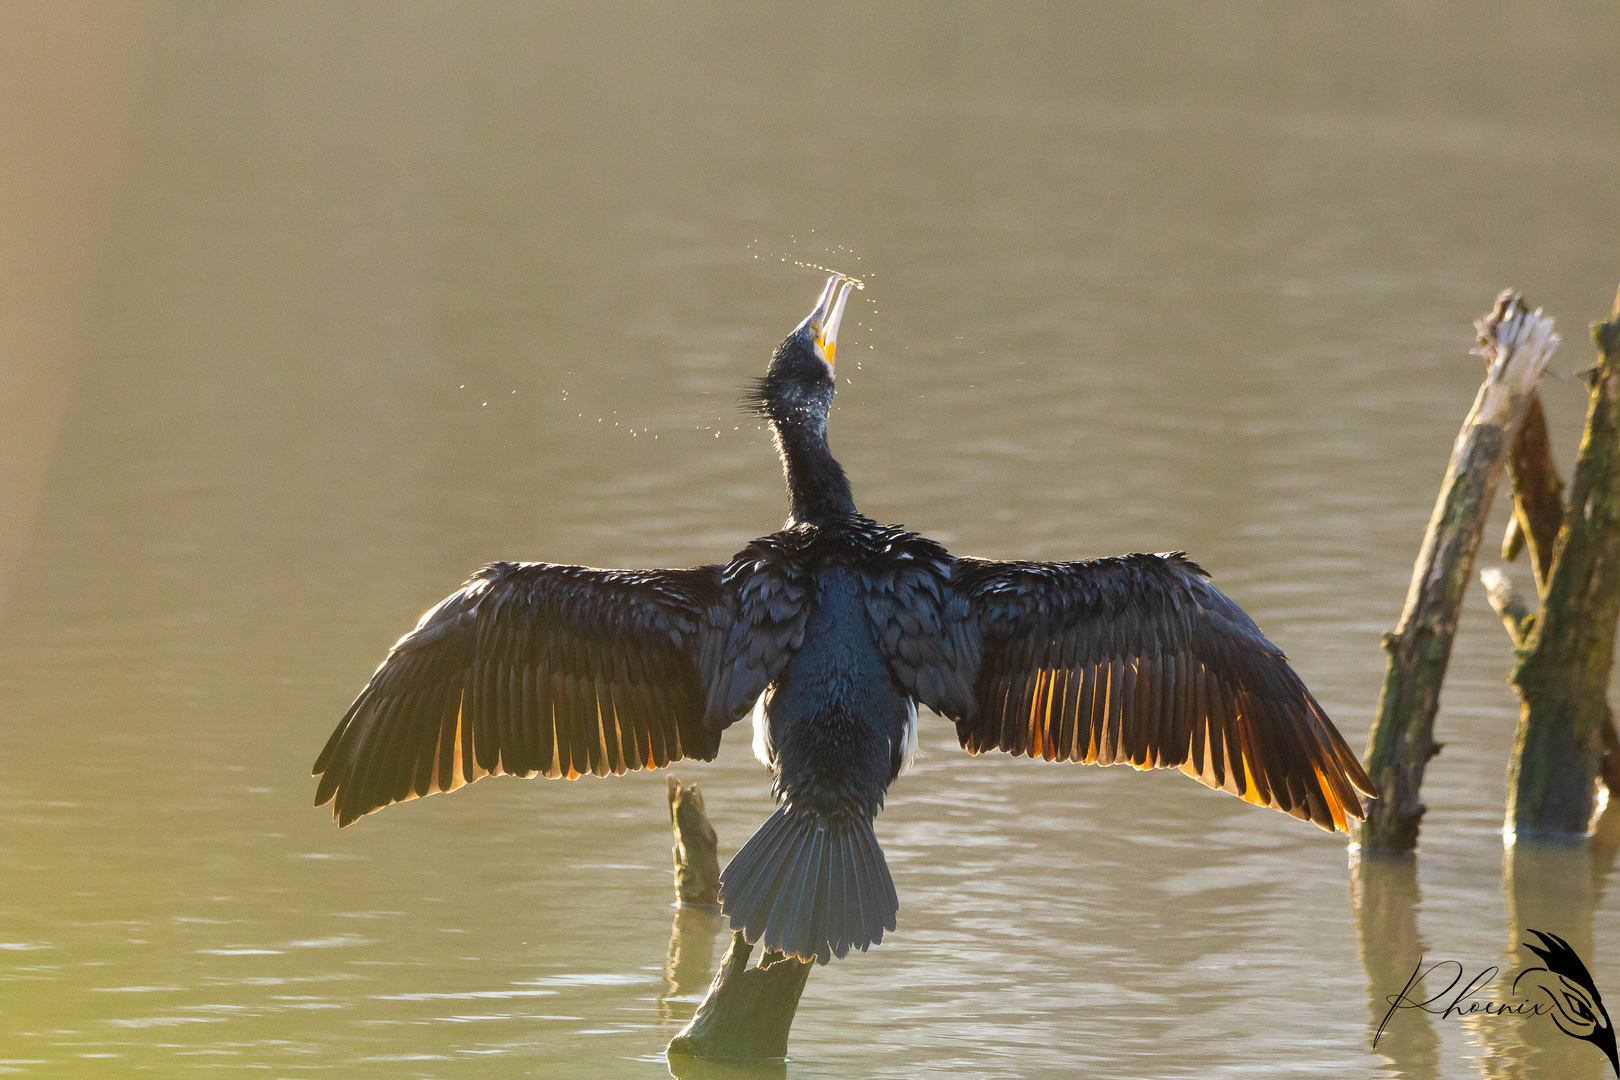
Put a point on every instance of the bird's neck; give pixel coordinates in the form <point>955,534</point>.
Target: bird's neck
<point>818,490</point>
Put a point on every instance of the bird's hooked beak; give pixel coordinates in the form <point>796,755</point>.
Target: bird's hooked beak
<point>829,312</point>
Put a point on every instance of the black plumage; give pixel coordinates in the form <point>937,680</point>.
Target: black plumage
<point>837,627</point>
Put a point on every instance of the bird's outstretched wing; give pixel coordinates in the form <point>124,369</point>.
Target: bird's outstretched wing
<point>536,669</point>
<point>1138,660</point>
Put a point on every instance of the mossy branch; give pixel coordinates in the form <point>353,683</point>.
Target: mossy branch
<point>1516,344</point>
<point>1563,674</point>
<point>748,1012</point>
<point>696,854</point>
<point>1538,520</point>
<point>1538,495</point>
<point>1509,606</point>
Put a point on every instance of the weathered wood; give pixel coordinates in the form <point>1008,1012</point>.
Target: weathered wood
<point>697,858</point>
<point>1518,619</point>
<point>1539,513</point>
<point>1508,605</point>
<point>748,1012</point>
<point>697,893</point>
<point>1563,675</point>
<point>1538,494</point>
<point>1512,539</point>
<point>1609,769</point>
<point>1516,344</point>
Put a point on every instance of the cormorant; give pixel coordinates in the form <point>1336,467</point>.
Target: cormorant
<point>833,631</point>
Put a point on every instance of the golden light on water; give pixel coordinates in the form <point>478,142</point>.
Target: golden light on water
<point>1140,283</point>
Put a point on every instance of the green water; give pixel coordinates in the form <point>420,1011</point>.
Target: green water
<point>313,308</point>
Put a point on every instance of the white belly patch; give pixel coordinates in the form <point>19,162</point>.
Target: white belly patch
<point>909,746</point>
<point>763,748</point>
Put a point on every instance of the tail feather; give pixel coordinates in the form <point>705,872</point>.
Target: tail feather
<point>776,875</point>
<point>862,890</point>
<point>752,891</point>
<point>810,886</point>
<point>797,884</point>
<point>822,907</point>
<point>774,920</point>
<point>853,911</point>
<point>882,901</point>
<point>875,853</point>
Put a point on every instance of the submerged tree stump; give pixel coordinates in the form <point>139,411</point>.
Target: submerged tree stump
<point>1563,674</point>
<point>697,848</point>
<point>748,1012</point>
<point>1516,344</point>
<point>697,892</point>
<point>1538,519</point>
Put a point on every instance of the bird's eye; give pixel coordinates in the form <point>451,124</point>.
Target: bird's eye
<point>1578,1007</point>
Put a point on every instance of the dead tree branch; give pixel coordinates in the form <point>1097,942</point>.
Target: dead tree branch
<point>1539,513</point>
<point>1563,675</point>
<point>1517,344</point>
<point>697,848</point>
<point>1538,495</point>
<point>1509,606</point>
<point>748,1012</point>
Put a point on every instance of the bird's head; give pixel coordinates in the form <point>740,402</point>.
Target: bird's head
<point>798,385</point>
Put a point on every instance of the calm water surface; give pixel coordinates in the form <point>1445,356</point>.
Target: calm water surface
<point>311,310</point>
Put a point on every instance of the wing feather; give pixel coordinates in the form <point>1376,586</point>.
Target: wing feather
<point>1134,660</point>
<point>537,669</point>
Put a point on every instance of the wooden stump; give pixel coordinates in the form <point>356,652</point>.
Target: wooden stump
<point>1563,674</point>
<point>748,1012</point>
<point>1540,513</point>
<point>697,894</point>
<point>1516,344</point>
<point>697,848</point>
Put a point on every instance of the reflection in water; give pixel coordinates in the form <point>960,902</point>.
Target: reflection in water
<point>387,291</point>
<point>1384,892</point>
<point>689,1068</point>
<point>690,965</point>
<point>1553,888</point>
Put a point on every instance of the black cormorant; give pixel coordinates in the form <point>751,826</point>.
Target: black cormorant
<point>833,631</point>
